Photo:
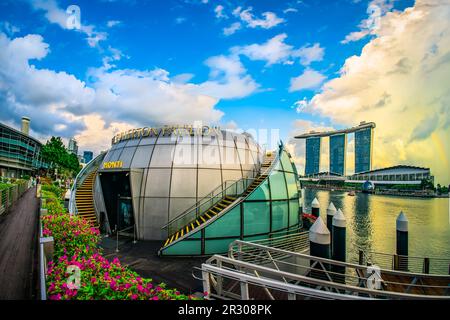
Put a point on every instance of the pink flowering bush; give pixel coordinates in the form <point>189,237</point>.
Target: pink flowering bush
<point>72,235</point>
<point>76,245</point>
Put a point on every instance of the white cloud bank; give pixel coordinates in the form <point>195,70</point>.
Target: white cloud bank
<point>399,81</point>
<point>59,103</point>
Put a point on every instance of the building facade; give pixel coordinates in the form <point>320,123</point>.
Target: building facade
<point>312,165</point>
<point>88,155</point>
<point>73,146</point>
<point>194,191</point>
<point>363,150</point>
<point>338,150</point>
<point>400,174</point>
<point>20,154</point>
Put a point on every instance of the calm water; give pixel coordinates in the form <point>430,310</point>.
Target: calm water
<point>371,222</point>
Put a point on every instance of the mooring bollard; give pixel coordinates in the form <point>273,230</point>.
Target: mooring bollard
<point>331,211</point>
<point>319,246</point>
<point>339,244</point>
<point>402,242</point>
<point>315,208</point>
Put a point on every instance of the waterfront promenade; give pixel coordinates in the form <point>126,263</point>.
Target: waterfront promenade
<point>18,260</point>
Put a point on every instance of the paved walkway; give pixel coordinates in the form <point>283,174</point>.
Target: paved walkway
<point>18,242</point>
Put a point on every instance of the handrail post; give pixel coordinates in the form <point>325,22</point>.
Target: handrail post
<point>361,257</point>
<point>426,265</point>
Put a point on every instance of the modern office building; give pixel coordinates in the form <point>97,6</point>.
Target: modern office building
<point>20,154</point>
<point>194,189</point>
<point>396,175</point>
<point>73,146</point>
<point>363,150</point>
<point>312,164</point>
<point>338,149</point>
<point>88,155</point>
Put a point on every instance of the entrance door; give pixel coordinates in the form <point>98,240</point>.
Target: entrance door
<point>117,195</point>
<point>125,218</point>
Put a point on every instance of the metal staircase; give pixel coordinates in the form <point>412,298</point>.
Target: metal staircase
<point>215,204</point>
<point>85,199</point>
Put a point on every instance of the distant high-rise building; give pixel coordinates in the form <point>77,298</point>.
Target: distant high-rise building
<point>338,146</point>
<point>363,150</point>
<point>73,146</point>
<point>312,165</point>
<point>88,155</point>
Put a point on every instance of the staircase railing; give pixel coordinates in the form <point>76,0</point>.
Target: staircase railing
<point>228,188</point>
<point>79,179</point>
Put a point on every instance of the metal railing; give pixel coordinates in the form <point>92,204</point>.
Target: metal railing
<point>426,265</point>
<point>231,188</point>
<point>264,272</point>
<point>79,179</point>
<point>9,195</point>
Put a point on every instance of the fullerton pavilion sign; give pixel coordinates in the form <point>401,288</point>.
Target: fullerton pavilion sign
<point>176,130</point>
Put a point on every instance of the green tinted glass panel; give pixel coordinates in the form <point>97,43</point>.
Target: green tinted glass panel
<point>261,193</point>
<point>185,247</point>
<point>286,162</point>
<point>292,185</point>
<point>293,212</point>
<point>255,238</point>
<point>278,186</point>
<point>280,210</point>
<point>196,235</point>
<point>217,246</point>
<point>256,217</point>
<point>226,226</point>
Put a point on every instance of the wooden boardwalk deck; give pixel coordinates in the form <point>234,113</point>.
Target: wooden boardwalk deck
<point>18,244</point>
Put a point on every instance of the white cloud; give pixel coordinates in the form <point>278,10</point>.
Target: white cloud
<point>268,21</point>
<point>113,23</point>
<point>232,28</point>
<point>9,28</point>
<point>59,101</point>
<point>375,10</point>
<point>309,79</point>
<point>275,50</point>
<point>399,81</point>
<point>218,10</point>
<point>288,10</point>
<point>229,79</point>
<point>309,54</point>
<point>55,14</point>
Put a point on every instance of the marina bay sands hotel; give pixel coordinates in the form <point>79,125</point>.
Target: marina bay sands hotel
<point>338,149</point>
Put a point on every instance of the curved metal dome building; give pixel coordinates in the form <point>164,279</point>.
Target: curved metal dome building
<point>196,189</point>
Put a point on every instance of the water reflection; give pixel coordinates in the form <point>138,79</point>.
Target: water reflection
<point>371,222</point>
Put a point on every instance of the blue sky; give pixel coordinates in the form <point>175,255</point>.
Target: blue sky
<point>246,64</point>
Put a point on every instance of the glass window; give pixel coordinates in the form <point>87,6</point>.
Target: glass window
<point>231,175</point>
<point>180,205</point>
<point>286,162</point>
<point>209,156</point>
<point>227,225</point>
<point>162,156</point>
<point>278,186</point>
<point>185,156</point>
<point>126,156</point>
<point>292,185</point>
<point>208,180</point>
<point>158,181</point>
<point>184,183</point>
<point>133,142</point>
<point>185,247</point>
<point>115,155</point>
<point>279,215</point>
<point>142,156</point>
<point>256,218</point>
<point>217,246</point>
<point>229,158</point>
<point>147,140</point>
<point>293,212</point>
<point>262,192</point>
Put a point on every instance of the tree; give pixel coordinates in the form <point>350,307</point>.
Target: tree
<point>55,153</point>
